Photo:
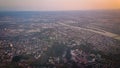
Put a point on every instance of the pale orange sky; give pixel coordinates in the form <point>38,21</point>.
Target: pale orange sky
<point>51,5</point>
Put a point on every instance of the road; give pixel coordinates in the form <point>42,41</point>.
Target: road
<point>101,32</point>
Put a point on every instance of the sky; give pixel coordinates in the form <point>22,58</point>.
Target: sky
<point>53,5</point>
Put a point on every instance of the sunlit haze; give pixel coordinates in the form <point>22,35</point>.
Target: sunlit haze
<point>51,5</point>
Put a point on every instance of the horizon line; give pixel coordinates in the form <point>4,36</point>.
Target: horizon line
<point>58,10</point>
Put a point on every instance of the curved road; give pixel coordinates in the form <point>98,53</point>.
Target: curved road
<point>101,32</point>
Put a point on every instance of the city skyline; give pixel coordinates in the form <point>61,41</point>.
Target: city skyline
<point>58,5</point>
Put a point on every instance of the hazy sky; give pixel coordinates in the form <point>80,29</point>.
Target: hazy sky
<point>51,5</point>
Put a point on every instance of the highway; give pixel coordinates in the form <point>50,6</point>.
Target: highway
<point>101,32</point>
